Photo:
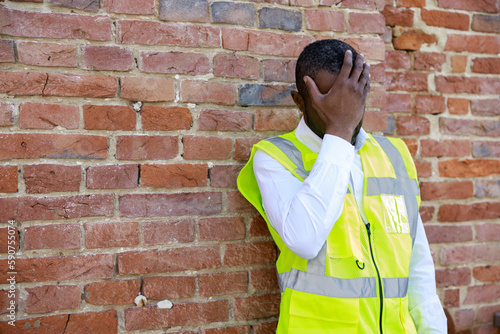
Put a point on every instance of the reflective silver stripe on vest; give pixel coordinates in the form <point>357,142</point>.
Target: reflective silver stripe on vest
<point>292,153</point>
<point>395,287</point>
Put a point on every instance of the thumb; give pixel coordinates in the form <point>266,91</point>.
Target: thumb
<point>312,89</point>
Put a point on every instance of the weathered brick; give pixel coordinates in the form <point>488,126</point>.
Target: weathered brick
<point>487,188</point>
<point>444,148</point>
<point>468,212</point>
<point>398,17</point>
<point>486,23</point>
<point>221,228</point>
<point>112,292</point>
<point>174,175</point>
<point>169,287</point>
<point>236,66</point>
<point>471,85</point>
<point>107,235</point>
<point>129,6</point>
<point>224,120</point>
<point>458,64</point>
<point>184,10</point>
<point>206,148</point>
<point>147,89</point>
<point>178,204</point>
<point>451,298</point>
<point>22,83</point>
<point>112,176</point>
<point>486,313</point>
<point>487,273</point>
<point>406,81</point>
<point>228,330</point>
<point>49,208</point>
<point>482,293</point>
<point>469,167</point>
<point>60,268</point>
<point>464,318</point>
<point>164,232</point>
<point>476,6</point>
<point>247,254</point>
<point>473,43</point>
<point>489,107</point>
<point>324,20</point>
<point>54,25</point>
<point>107,117</point>
<point>372,48</point>
<point>159,33</point>
<point>276,119</point>
<point>411,3</point>
<point>264,279</point>
<point>426,213</point>
<point>410,125</point>
<point>48,116</point>
<point>486,149</point>
<point>412,145</point>
<point>47,54</point>
<point>445,19</point>
<point>243,147</point>
<point>49,298</point>
<point>90,5</point>
<point>255,307</point>
<point>361,4</point>
<point>397,59</point>
<point>137,147</point>
<point>185,314</point>
<point>412,40</point>
<point>6,114</point>
<point>233,13</point>
<point>429,61</point>
<point>477,127</point>
<point>111,58</point>
<point>457,106</point>
<point>224,176</point>
<point>237,203</point>
<point>453,277</point>
<point>197,91</point>
<point>265,95</point>
<point>430,104</point>
<point>174,62</point>
<point>225,283</point>
<point>486,65</point>
<point>235,39</point>
<point>398,103</point>
<point>7,51</point>
<point>488,231</point>
<point>158,118</point>
<point>58,236</point>
<point>168,260</point>
<point>446,190</point>
<point>8,178</point>
<point>443,234</point>
<point>366,23</point>
<point>470,253</point>
<point>277,18</point>
<point>279,70</point>
<point>5,301</point>
<point>46,178</point>
<point>267,327</point>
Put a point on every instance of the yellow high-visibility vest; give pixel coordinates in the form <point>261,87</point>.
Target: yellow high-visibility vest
<point>358,282</point>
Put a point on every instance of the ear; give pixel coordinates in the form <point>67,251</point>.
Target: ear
<point>299,101</point>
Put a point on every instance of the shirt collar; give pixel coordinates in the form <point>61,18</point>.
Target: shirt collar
<point>305,135</point>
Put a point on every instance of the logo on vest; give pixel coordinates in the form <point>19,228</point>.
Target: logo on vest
<point>396,216</point>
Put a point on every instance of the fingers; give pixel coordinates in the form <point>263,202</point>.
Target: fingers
<point>312,89</point>
<point>345,71</point>
<point>358,68</point>
<point>364,75</point>
<point>367,86</point>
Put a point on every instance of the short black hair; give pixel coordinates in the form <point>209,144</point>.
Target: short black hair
<point>326,54</point>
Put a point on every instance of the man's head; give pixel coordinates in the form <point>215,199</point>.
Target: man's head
<point>321,61</point>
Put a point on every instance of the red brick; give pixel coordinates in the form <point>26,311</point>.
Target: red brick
<point>488,231</point>
<point>361,4</point>
<point>453,277</point>
<point>147,89</point>
<point>458,64</point>
<point>193,10</point>
<point>372,48</point>
<point>412,145</point>
<point>7,51</point>
<point>429,61</point>
<point>5,301</point>
<point>276,119</point>
<point>270,43</point>
<point>470,253</point>
<point>445,19</point>
<point>411,3</point>
<point>424,168</point>
<point>237,203</point>
<point>430,104</point>
<point>446,190</point>
<point>443,234</point>
<point>447,148</point>
<point>176,204</point>
<point>54,25</point>
<point>22,83</point>
<point>166,118</point>
<point>471,85</point>
<point>174,62</point>
<point>187,314</point>
<point>468,168</point>
<point>487,329</point>
<point>469,212</point>
<point>235,39</point>
<point>107,117</point>
<point>48,116</point>
<point>137,147</point>
<point>412,40</point>
<point>377,72</point>
<point>488,272</point>
<point>486,65</point>
<point>464,318</point>
<point>243,147</point>
<point>375,120</point>
<point>167,260</point>
<point>255,307</point>
<point>8,178</point>
<point>236,66</point>
<point>486,313</point>
<point>116,292</point>
<point>164,232</point>
<point>9,238</point>
<point>89,5</point>
<point>247,254</point>
<point>486,107</point>
<point>264,279</point>
<point>159,33</point>
<point>265,95</point>
<point>397,59</point>
<point>129,6</point>
<point>221,229</point>
<point>398,17</point>
<point>426,213</point>
<point>224,120</point>
<point>107,235</point>
<point>47,54</point>
<point>398,103</point>
<point>56,236</point>
<point>112,176</point>
<point>49,298</point>
<point>196,91</point>
<point>169,287</point>
<point>487,188</point>
<point>279,70</point>
<point>476,6</point>
<point>61,268</point>
<point>49,208</point>
<point>206,148</point>
<point>457,106</point>
<point>324,20</point>
<point>473,43</point>
<point>111,58</point>
<point>476,127</point>
<point>267,327</point>
<point>6,114</point>
<point>451,298</point>
<point>409,82</point>
<point>174,175</point>
<point>228,330</point>
<point>486,23</point>
<point>482,293</point>
<point>410,125</point>
<point>103,322</point>
<point>218,284</point>
<point>224,176</point>
<point>366,23</point>
<point>486,149</point>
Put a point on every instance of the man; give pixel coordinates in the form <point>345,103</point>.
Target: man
<point>342,206</point>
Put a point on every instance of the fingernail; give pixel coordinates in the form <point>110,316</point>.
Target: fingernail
<point>305,79</point>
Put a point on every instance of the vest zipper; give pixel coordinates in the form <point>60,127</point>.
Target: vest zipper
<point>378,276</point>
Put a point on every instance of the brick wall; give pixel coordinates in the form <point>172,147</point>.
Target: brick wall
<point>123,125</point>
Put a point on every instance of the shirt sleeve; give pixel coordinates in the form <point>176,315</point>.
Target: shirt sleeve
<point>423,303</point>
<point>303,213</point>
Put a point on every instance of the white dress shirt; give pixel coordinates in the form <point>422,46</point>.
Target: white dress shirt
<point>303,213</point>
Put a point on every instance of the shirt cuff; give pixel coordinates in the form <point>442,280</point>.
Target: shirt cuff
<point>337,151</point>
